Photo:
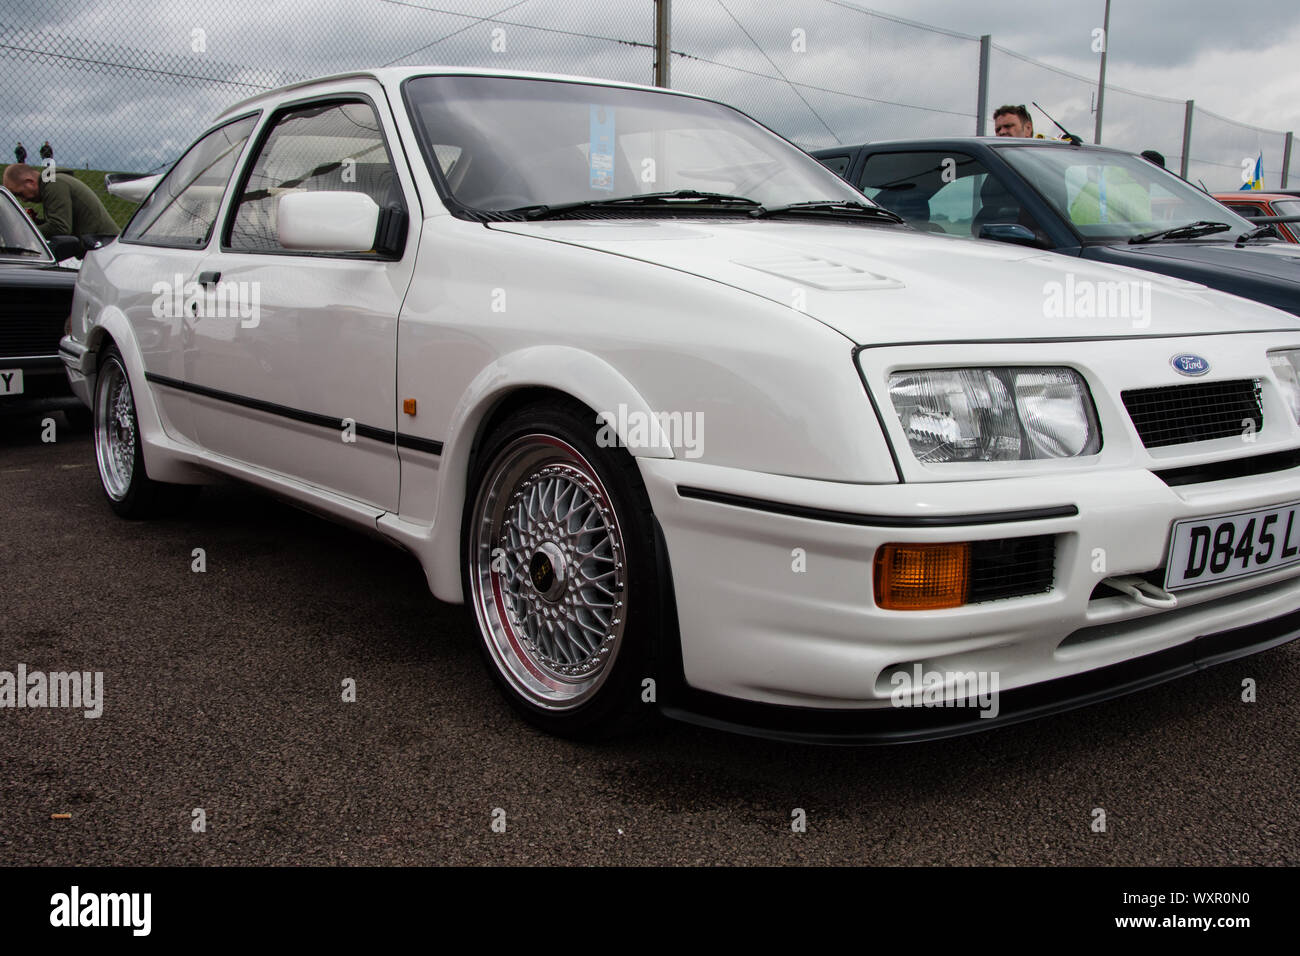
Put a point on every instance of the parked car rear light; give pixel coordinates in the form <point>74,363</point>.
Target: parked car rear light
<point>922,577</point>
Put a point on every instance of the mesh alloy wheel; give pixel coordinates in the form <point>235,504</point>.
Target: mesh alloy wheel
<point>115,429</point>
<point>547,573</point>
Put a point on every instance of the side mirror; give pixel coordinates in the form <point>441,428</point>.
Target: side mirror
<point>1011,232</point>
<point>327,221</point>
<point>65,247</point>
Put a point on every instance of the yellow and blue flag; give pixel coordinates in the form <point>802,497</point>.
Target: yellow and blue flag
<point>1256,182</point>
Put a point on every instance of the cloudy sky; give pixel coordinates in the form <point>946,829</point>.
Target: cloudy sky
<point>1237,59</point>
<point>129,83</point>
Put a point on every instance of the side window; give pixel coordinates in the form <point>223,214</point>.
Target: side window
<point>334,147</point>
<point>1246,210</point>
<point>182,209</point>
<point>945,192</point>
<point>839,165</point>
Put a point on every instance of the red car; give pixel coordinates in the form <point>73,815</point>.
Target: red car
<point>1253,205</point>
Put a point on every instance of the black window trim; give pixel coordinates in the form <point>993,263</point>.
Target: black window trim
<point>207,239</point>
<point>319,99</point>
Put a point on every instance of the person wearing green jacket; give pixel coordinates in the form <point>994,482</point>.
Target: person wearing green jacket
<point>1111,195</point>
<point>71,207</point>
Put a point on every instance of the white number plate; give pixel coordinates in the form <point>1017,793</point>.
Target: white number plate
<point>11,381</point>
<point>1206,550</point>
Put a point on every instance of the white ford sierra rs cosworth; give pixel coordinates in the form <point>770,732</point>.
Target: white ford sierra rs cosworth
<point>687,422</point>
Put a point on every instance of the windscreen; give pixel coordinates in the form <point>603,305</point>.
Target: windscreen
<point>504,143</point>
<point>1114,195</point>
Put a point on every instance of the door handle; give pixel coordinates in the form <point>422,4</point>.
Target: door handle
<point>209,278</point>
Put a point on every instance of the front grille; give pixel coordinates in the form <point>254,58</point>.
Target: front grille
<point>1180,414</point>
<point>31,320</point>
<point>1011,567</point>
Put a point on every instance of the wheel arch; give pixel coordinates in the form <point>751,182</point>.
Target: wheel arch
<point>515,381</point>
<point>111,328</point>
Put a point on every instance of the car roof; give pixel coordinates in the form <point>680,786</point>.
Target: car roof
<point>1249,195</point>
<point>960,142</point>
<point>393,75</point>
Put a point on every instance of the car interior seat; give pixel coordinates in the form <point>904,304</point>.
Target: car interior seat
<point>996,205</point>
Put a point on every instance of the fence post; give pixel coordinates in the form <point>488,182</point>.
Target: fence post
<point>982,102</point>
<point>1187,138</point>
<point>663,53</point>
<point>1286,160</point>
<point>1101,77</point>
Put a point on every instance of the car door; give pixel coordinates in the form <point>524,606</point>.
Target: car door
<point>162,248</point>
<point>294,363</point>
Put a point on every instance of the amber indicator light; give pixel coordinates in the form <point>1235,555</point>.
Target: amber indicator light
<point>922,577</point>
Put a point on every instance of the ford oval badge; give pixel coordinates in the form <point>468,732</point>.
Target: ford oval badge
<point>1188,364</point>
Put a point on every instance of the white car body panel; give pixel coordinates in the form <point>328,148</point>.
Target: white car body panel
<point>756,326</point>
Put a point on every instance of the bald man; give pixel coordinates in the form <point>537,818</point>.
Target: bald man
<point>71,207</point>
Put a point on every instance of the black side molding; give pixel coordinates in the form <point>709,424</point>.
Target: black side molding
<point>297,414</point>
<point>876,521</point>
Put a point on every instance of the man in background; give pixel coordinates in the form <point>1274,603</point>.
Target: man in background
<point>1013,121</point>
<point>71,207</point>
<point>20,151</point>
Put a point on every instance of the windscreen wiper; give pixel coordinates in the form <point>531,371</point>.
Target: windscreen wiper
<point>668,199</point>
<point>1259,232</point>
<point>831,206</point>
<point>1191,230</point>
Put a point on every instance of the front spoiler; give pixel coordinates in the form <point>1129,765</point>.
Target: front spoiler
<point>899,725</point>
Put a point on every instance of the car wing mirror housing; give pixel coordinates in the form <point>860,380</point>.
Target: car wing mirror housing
<point>65,247</point>
<point>1012,232</point>
<point>390,234</point>
<point>338,222</point>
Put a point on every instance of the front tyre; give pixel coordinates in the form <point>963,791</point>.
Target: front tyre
<point>560,572</point>
<point>118,452</point>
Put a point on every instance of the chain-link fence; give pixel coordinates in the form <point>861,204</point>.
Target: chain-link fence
<point>1224,152</point>
<point>823,72</point>
<point>126,85</point>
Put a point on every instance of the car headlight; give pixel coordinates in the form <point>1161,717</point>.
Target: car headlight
<point>995,414</point>
<point>1286,366</point>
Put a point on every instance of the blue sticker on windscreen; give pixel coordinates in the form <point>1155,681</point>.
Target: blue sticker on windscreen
<point>601,154</point>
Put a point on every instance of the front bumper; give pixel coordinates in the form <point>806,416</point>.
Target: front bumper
<point>913,724</point>
<point>779,629</point>
<point>45,385</point>
<point>78,361</point>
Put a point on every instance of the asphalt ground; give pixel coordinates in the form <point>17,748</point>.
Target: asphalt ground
<point>223,691</point>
